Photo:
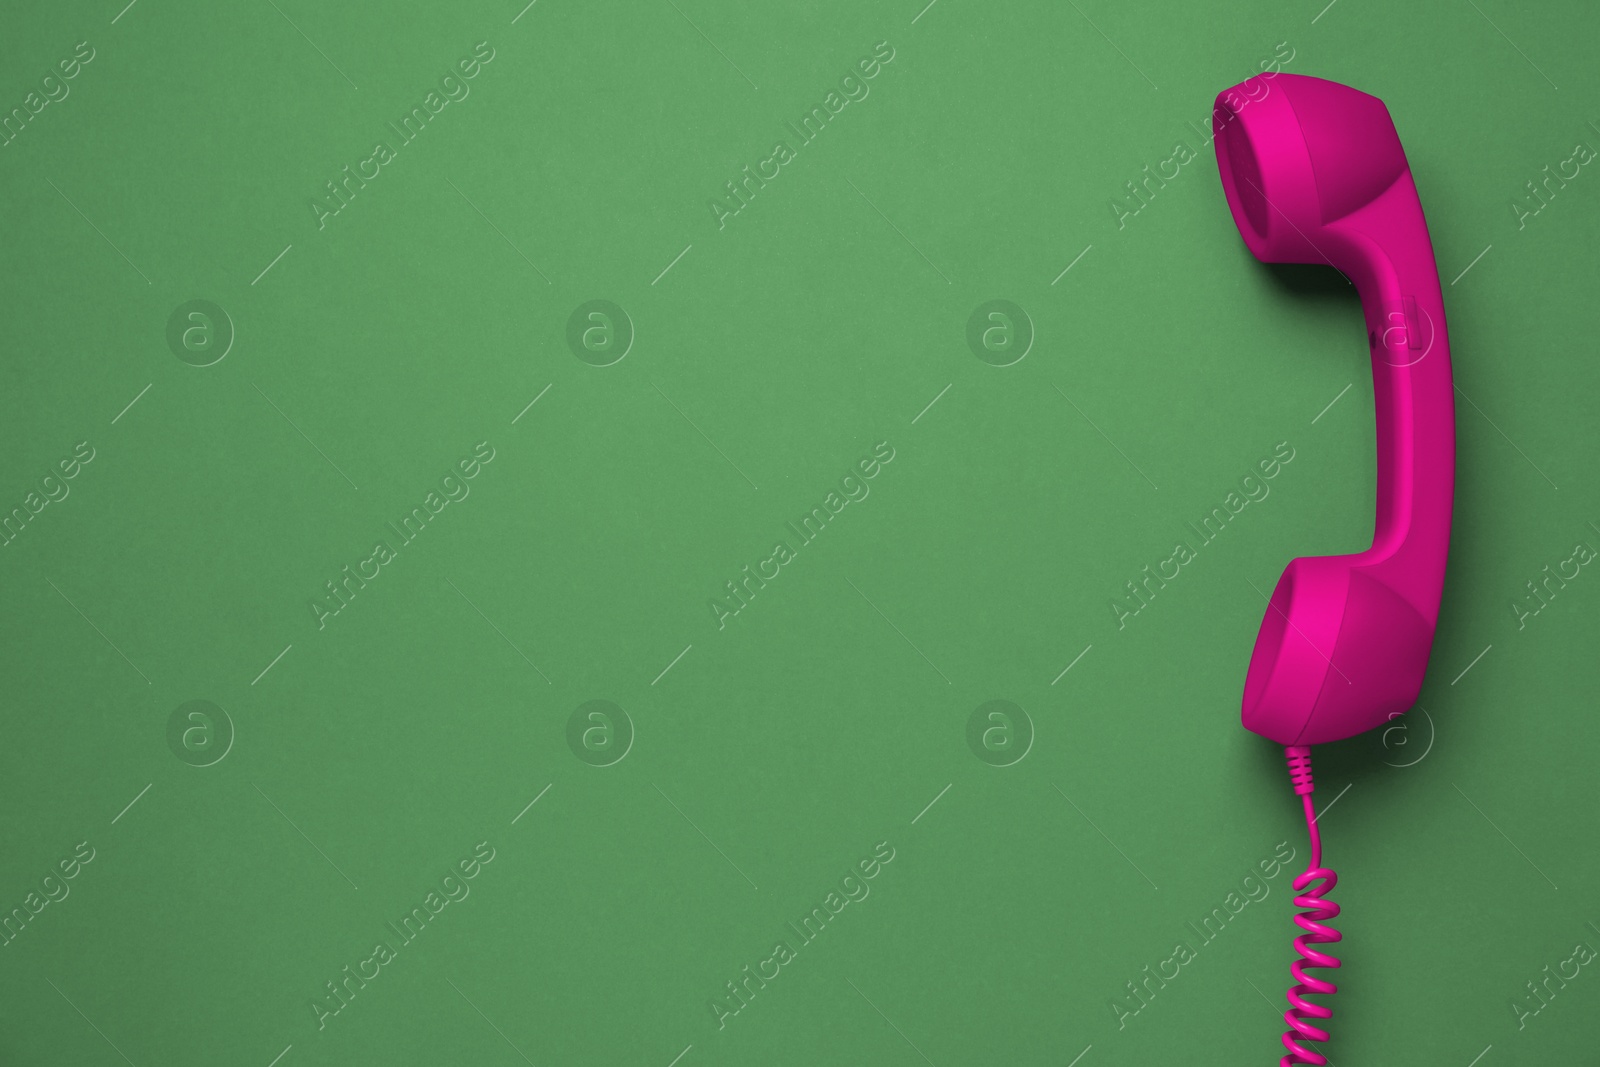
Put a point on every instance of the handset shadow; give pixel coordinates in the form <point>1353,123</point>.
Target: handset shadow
<point>1311,281</point>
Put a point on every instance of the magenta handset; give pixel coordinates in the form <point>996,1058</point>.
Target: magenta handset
<point>1314,173</point>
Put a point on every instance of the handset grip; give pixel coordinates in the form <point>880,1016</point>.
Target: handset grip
<point>1384,249</point>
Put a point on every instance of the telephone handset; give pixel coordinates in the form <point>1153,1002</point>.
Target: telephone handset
<point>1314,173</point>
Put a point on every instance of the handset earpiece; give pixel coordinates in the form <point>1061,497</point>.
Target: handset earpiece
<point>1314,173</point>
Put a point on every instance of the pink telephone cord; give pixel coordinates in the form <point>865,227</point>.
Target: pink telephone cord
<point>1312,921</point>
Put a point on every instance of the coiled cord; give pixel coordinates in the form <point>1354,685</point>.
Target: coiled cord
<point>1312,920</point>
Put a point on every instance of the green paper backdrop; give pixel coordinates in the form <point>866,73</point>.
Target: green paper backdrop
<point>598,534</point>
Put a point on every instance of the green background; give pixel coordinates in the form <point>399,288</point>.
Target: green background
<point>775,352</point>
